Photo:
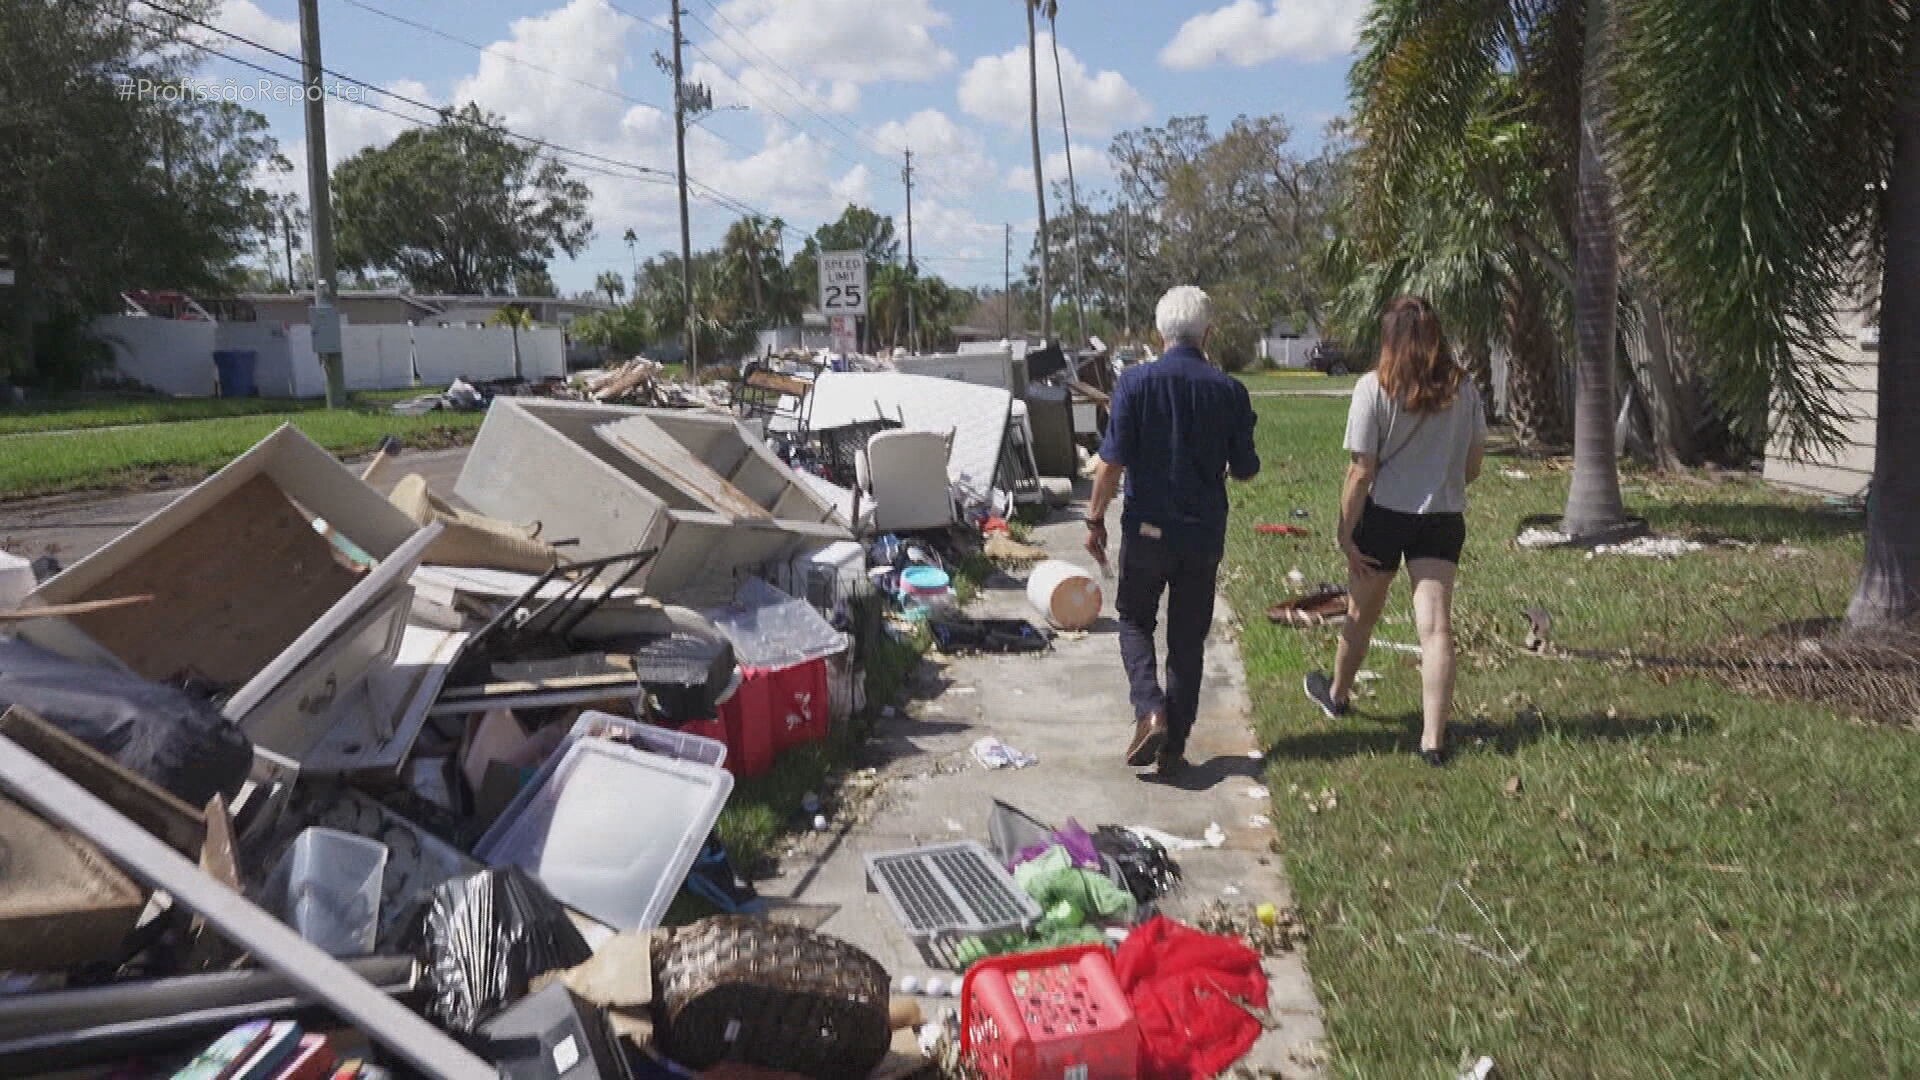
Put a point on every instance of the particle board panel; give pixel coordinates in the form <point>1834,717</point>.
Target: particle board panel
<point>651,448</point>
<point>150,806</point>
<point>62,904</point>
<point>231,589</point>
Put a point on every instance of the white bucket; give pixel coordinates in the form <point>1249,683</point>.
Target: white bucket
<point>1068,596</point>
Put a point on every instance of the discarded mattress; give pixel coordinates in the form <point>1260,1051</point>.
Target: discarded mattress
<point>253,572</point>
<point>976,415</point>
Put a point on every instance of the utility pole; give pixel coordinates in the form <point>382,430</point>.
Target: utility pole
<point>286,235</point>
<point>324,320</point>
<point>1126,252</point>
<point>1006,287</point>
<point>913,272</point>
<point>680,159</point>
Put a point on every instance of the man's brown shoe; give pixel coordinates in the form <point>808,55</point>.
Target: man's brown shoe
<point>1149,735</point>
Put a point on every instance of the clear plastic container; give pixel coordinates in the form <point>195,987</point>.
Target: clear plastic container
<point>581,836</point>
<point>328,884</point>
<point>770,629</point>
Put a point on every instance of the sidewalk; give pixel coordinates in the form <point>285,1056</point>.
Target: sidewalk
<point>1069,709</point>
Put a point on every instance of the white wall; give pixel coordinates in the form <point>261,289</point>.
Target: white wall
<point>176,357</point>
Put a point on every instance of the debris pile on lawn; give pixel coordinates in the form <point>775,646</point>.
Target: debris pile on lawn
<point>1650,547</point>
<point>297,780</point>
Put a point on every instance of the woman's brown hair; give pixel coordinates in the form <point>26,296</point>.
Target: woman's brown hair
<point>1416,367</point>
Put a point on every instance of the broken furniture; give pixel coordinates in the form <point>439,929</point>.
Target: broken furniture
<point>352,998</point>
<point>700,489</point>
<point>579,835</point>
<point>946,893</point>
<point>470,539</point>
<point>998,369</point>
<point>774,399</point>
<point>62,903</point>
<point>904,474</point>
<point>248,593</point>
<point>978,417</point>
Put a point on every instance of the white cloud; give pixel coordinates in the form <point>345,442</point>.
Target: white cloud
<point>1246,33</point>
<point>954,156</point>
<point>853,42</point>
<point>244,17</point>
<point>587,40</point>
<point>995,89</point>
<point>1092,170</point>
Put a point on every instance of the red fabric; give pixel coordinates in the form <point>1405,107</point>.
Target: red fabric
<point>1187,990</point>
<point>1280,530</point>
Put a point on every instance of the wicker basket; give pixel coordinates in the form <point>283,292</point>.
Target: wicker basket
<point>761,993</point>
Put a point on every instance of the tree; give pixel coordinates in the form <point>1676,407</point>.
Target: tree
<point>752,257</point>
<point>534,281</point>
<point>1039,171</point>
<point>516,318</point>
<point>610,282</point>
<point>633,247</point>
<point>101,192</point>
<point>858,229</point>
<point>459,207</point>
<point>1769,159</point>
<point>625,330</point>
<point>1428,71</point>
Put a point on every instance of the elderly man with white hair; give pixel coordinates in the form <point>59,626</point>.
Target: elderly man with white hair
<point>1178,428</point>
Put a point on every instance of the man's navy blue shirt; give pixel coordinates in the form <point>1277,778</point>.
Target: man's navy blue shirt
<point>1179,426</point>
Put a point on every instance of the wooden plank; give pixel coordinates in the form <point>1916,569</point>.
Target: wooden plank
<point>219,859</point>
<point>353,998</point>
<point>232,589</point>
<point>84,607</point>
<point>650,447</point>
<point>150,806</point>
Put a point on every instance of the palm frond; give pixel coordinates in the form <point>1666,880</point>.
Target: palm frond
<point>1750,141</point>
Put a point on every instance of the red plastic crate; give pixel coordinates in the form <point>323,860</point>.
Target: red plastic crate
<point>1056,1015</point>
<point>772,711</point>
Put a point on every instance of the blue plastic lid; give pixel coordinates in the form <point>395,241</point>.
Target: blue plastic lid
<point>924,578</point>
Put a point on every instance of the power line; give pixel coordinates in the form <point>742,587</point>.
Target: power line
<point>496,50</point>
<point>649,173</point>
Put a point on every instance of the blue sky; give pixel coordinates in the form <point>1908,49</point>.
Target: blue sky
<point>832,90</point>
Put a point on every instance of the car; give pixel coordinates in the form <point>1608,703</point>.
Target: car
<point>1331,358</point>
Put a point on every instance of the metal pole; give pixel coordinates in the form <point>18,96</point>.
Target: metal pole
<point>1006,287</point>
<point>680,159</point>
<point>325,319</point>
<point>1126,250</point>
<point>286,234</point>
<point>913,271</point>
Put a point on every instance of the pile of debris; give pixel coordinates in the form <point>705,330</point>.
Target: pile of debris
<point>299,780</point>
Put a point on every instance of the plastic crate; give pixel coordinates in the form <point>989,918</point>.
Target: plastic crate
<point>773,711</point>
<point>686,743</point>
<point>1057,1015</point>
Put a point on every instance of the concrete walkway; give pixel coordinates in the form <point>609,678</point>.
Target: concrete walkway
<point>1068,708</point>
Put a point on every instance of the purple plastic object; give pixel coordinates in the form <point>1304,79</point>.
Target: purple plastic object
<point>1071,836</point>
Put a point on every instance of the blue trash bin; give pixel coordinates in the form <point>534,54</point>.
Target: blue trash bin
<point>236,372</point>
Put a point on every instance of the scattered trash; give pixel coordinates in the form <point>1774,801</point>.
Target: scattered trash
<point>1649,547</point>
<point>1477,1070</point>
<point>1512,787</point>
<point>1259,821</point>
<point>1539,629</point>
<point>1066,595</point>
<point>1366,676</point>
<point>1271,930</point>
<point>1534,537</point>
<point>1324,605</point>
<point>1506,957</point>
<point>1267,529</point>
<point>1257,792</point>
<point>1297,578</point>
<point>1515,474</point>
<point>994,754</point>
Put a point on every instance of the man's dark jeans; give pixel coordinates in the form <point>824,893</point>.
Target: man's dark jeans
<point>1148,568</point>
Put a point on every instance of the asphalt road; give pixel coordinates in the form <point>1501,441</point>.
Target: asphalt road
<point>71,527</point>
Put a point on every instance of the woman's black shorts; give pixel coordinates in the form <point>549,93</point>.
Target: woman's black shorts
<point>1388,536</point>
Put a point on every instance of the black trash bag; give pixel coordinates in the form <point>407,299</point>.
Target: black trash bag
<point>175,740</point>
<point>1146,869</point>
<point>485,939</point>
<point>961,634</point>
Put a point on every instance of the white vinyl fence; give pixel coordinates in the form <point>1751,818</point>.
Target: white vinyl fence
<point>176,356</point>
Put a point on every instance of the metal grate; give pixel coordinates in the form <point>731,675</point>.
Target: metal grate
<point>950,890</point>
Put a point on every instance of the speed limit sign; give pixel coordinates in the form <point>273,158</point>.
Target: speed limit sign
<point>843,283</point>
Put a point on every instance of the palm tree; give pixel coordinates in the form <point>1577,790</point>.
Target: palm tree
<point>1763,150</point>
<point>1427,69</point>
<point>748,245</point>
<point>1039,177</point>
<point>517,318</point>
<point>609,282</point>
<point>1073,191</point>
<point>633,256</point>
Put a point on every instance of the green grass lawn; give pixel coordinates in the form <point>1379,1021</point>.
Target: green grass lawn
<point>85,412</point>
<point>181,452</point>
<point>1700,883</point>
<point>1296,382</point>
